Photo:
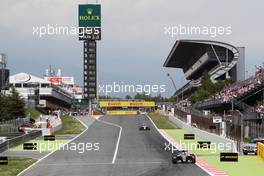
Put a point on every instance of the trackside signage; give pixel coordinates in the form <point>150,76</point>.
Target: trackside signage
<point>3,160</point>
<point>121,112</point>
<point>89,22</point>
<point>127,104</point>
<point>90,15</point>
<point>229,157</point>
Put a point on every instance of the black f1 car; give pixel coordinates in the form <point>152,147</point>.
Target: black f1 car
<point>182,156</point>
<point>144,128</point>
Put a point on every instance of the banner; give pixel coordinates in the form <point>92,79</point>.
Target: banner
<point>89,22</point>
<point>122,112</point>
<point>60,80</point>
<point>127,104</point>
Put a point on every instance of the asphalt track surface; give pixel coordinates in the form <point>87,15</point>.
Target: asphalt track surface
<point>140,153</point>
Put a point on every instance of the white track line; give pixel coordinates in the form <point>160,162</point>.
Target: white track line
<point>118,140</point>
<point>171,142</point>
<point>55,150</point>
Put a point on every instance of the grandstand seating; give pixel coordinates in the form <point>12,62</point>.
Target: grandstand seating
<point>238,92</point>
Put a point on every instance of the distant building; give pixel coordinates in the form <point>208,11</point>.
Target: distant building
<point>4,72</point>
<point>39,92</point>
<point>65,82</point>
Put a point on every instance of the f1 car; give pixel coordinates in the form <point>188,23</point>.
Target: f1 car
<point>182,156</point>
<point>144,127</point>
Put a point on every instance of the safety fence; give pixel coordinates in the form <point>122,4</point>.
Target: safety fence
<point>10,126</point>
<point>260,149</point>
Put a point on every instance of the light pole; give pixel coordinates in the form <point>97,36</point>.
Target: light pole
<point>242,129</point>
<point>174,85</point>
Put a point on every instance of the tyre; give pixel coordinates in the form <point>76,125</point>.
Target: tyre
<point>194,160</point>
<point>176,161</point>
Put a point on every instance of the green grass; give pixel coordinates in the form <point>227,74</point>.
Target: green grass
<point>15,165</point>
<point>161,121</point>
<point>42,146</point>
<point>70,125</point>
<point>246,165</point>
<point>34,113</point>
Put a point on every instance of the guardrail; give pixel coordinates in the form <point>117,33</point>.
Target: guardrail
<point>260,150</point>
<point>19,140</point>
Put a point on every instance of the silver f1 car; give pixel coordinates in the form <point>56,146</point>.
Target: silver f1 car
<point>144,127</point>
<point>182,156</point>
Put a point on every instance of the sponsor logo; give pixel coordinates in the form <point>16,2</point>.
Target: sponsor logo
<point>229,157</point>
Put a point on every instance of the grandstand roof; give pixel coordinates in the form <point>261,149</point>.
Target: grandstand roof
<point>26,78</point>
<point>185,52</point>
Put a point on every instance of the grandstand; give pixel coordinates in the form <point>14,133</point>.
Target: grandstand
<point>240,105</point>
<point>247,93</point>
<point>220,59</point>
<point>246,96</point>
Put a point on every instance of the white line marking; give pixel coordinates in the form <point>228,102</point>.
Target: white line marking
<point>55,150</point>
<point>118,140</point>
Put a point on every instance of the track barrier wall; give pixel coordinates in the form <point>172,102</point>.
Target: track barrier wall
<point>19,140</point>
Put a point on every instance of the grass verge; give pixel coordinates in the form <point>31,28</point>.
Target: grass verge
<point>246,165</point>
<point>161,121</point>
<point>42,146</point>
<point>15,166</point>
<point>34,113</point>
<point>70,125</point>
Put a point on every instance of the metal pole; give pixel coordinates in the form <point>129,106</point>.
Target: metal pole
<point>242,129</point>
<point>232,104</point>
<point>174,85</point>
<point>90,107</point>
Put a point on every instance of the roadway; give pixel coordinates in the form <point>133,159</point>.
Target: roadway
<point>123,151</point>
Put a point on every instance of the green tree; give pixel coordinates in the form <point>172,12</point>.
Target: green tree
<point>3,107</point>
<point>15,105</point>
<point>208,88</point>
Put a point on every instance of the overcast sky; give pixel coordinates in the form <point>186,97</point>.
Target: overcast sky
<point>133,46</point>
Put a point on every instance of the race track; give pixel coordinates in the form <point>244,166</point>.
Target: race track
<point>138,153</point>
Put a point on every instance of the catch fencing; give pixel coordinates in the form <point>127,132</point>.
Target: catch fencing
<point>11,126</point>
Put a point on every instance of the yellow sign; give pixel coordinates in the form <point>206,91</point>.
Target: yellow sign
<point>121,112</point>
<point>127,104</point>
<point>260,150</point>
